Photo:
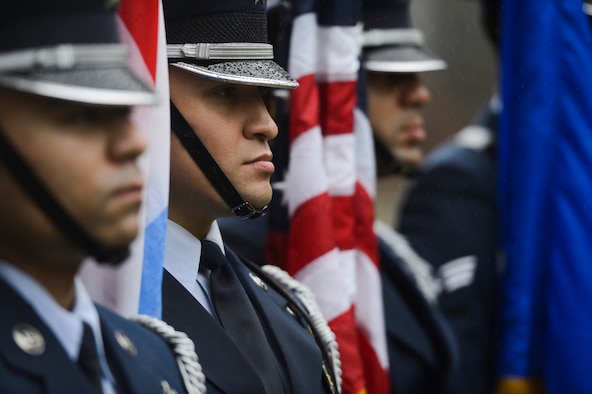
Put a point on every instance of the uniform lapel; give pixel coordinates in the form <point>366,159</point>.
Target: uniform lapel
<point>403,326</point>
<point>223,364</point>
<point>38,353</point>
<point>300,355</point>
<point>122,362</point>
<point>409,315</point>
<point>140,361</point>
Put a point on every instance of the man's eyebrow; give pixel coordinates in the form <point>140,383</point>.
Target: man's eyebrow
<point>52,103</point>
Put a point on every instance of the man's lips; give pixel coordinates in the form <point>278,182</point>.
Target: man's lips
<point>131,192</point>
<point>414,131</point>
<point>262,163</point>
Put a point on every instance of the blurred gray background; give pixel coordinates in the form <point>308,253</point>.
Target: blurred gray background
<point>453,31</point>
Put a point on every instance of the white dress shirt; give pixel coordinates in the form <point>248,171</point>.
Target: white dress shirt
<point>181,259</point>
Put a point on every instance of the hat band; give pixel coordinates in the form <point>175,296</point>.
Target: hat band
<point>64,57</point>
<point>221,51</point>
<point>380,37</point>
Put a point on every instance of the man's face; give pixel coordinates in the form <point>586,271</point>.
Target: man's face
<point>86,156</point>
<point>234,124</point>
<point>394,102</point>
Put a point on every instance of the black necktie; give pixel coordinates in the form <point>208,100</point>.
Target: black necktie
<point>88,359</point>
<point>238,317</point>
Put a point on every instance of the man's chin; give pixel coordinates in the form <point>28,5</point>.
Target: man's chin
<point>259,198</point>
<point>123,240</point>
<point>117,244</point>
<point>114,257</point>
<point>410,160</point>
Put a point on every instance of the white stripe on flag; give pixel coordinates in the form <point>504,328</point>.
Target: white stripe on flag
<point>303,46</point>
<point>306,163</point>
<point>340,163</point>
<point>338,61</point>
<point>324,276</point>
<point>364,145</point>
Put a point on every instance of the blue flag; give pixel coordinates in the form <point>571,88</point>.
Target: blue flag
<point>545,183</point>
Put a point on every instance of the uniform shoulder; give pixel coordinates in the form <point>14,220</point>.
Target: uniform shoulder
<point>468,152</point>
<point>162,347</point>
<point>311,311</point>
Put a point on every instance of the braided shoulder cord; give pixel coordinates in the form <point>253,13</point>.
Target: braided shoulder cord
<point>184,350</point>
<point>306,296</point>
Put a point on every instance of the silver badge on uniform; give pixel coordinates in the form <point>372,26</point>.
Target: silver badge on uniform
<point>28,339</point>
<point>166,388</point>
<point>125,343</point>
<point>258,281</point>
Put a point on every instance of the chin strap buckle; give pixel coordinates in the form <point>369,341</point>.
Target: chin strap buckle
<point>247,211</point>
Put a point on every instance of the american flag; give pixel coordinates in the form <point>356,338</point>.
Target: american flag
<point>326,239</point>
<point>135,286</point>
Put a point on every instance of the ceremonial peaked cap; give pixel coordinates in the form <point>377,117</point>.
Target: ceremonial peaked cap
<point>223,40</point>
<point>390,43</point>
<point>67,49</point>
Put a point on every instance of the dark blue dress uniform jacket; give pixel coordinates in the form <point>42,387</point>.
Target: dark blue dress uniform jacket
<point>225,368</point>
<point>421,346</point>
<point>450,212</point>
<point>152,370</point>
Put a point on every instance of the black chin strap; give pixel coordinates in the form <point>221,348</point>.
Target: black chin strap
<point>32,185</point>
<point>210,168</point>
<point>386,163</point>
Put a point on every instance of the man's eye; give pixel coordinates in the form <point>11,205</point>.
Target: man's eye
<point>268,99</point>
<point>84,115</point>
<point>227,91</point>
<point>266,93</point>
<point>95,115</point>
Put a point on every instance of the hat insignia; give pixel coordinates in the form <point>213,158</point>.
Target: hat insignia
<point>258,281</point>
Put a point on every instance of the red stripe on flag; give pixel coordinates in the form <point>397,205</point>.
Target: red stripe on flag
<point>343,327</point>
<point>312,234</point>
<point>135,14</point>
<point>365,239</point>
<point>304,107</point>
<point>343,221</point>
<point>338,99</point>
<point>377,379</point>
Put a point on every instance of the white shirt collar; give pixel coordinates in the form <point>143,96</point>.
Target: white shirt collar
<point>183,250</point>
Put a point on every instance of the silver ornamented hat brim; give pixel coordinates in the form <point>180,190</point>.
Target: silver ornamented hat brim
<point>39,84</point>
<point>90,74</point>
<point>265,73</point>
<point>402,59</point>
